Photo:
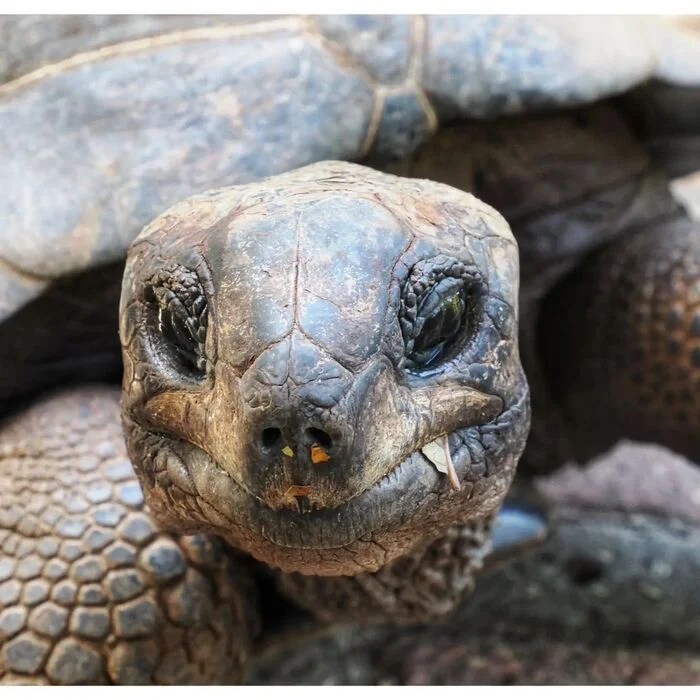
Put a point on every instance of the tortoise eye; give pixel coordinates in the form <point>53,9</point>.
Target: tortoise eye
<point>439,320</point>
<point>436,310</point>
<point>179,320</point>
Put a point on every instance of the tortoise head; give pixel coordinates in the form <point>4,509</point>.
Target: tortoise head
<point>322,367</point>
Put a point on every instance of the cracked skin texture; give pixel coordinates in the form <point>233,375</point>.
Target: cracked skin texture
<point>271,252</point>
<point>127,219</point>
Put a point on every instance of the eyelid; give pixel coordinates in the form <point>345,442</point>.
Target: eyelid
<point>438,293</point>
<point>177,322</point>
<point>427,316</point>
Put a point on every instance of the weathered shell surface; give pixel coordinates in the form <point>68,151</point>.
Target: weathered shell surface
<point>96,144</point>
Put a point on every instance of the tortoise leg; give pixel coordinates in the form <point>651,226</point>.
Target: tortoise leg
<point>620,341</point>
<point>91,591</point>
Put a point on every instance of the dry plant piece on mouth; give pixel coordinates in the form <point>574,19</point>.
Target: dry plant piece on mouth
<point>323,399</point>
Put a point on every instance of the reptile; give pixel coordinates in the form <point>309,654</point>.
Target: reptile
<point>323,402</point>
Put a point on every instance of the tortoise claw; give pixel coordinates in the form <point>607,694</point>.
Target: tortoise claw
<point>519,528</point>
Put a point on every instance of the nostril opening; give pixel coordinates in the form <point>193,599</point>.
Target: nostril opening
<point>271,437</point>
<point>320,437</point>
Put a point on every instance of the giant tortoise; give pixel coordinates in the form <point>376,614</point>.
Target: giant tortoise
<point>322,396</point>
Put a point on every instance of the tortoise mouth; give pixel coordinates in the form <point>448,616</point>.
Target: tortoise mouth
<point>402,494</point>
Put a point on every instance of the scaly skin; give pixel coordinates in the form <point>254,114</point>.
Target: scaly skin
<point>301,293</point>
<point>630,334</point>
<point>91,590</point>
<point>242,271</point>
<point>398,95</point>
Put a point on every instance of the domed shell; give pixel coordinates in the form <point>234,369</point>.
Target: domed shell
<point>106,122</point>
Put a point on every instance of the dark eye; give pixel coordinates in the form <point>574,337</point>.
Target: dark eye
<point>435,310</point>
<point>178,319</point>
<point>439,319</point>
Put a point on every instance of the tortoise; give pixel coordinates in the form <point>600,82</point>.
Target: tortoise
<point>322,395</point>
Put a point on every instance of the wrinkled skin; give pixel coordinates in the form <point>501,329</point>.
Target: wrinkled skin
<point>305,278</point>
<point>609,261</point>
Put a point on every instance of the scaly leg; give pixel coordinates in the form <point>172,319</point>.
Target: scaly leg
<point>91,591</point>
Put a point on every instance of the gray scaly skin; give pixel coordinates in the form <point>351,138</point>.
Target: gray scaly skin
<point>224,437</point>
<point>91,590</point>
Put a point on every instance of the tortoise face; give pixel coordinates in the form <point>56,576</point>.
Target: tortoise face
<point>322,367</point>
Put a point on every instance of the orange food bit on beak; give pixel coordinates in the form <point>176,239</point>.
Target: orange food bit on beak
<point>298,491</point>
<point>318,454</point>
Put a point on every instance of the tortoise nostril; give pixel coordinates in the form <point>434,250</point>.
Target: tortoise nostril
<point>320,437</point>
<point>270,437</point>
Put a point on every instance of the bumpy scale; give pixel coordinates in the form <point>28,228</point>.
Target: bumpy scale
<point>91,590</point>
